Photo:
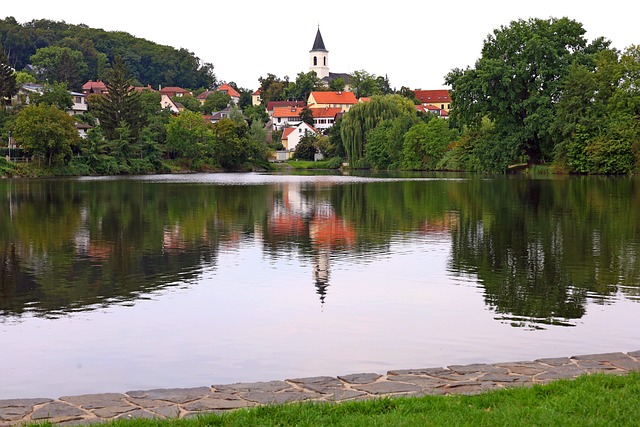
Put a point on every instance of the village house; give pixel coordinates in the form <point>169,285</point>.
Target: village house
<point>173,91</point>
<point>291,136</point>
<point>324,118</point>
<point>234,94</point>
<point>173,106</point>
<point>438,98</point>
<point>256,98</point>
<point>285,116</point>
<point>342,100</point>
<point>97,87</point>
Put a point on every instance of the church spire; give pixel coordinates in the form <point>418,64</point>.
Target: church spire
<point>319,57</point>
<point>318,44</point>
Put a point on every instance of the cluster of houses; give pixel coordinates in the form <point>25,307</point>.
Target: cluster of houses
<point>325,106</point>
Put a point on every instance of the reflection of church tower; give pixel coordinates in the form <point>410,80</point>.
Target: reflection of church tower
<point>319,57</point>
<point>321,273</point>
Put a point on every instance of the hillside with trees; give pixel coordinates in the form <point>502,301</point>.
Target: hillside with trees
<point>62,52</point>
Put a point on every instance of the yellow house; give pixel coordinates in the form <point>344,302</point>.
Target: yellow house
<point>342,100</point>
<point>438,98</point>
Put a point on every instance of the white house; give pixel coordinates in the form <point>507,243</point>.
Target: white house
<point>79,103</point>
<point>291,135</point>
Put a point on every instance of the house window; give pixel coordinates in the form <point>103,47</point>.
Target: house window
<point>442,106</point>
<point>315,60</point>
<point>325,61</point>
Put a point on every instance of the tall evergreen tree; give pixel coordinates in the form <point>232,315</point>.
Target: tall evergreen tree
<point>122,105</point>
<point>8,84</point>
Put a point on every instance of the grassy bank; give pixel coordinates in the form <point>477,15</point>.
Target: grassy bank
<point>590,400</point>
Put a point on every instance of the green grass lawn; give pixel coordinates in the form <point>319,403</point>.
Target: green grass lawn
<point>594,400</point>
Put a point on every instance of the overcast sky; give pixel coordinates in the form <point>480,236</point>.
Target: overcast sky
<point>414,43</point>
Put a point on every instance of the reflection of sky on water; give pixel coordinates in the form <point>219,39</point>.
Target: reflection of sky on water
<point>249,320</point>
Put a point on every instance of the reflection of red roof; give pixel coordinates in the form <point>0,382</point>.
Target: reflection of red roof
<point>287,225</point>
<point>329,231</point>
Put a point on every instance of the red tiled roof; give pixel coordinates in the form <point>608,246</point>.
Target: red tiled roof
<point>334,97</point>
<point>230,90</point>
<point>287,132</point>
<point>204,94</point>
<point>94,87</point>
<point>173,90</point>
<point>286,112</point>
<point>325,112</point>
<point>257,92</point>
<point>428,96</point>
<point>271,105</point>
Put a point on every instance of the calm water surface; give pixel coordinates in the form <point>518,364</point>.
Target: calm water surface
<point>110,285</point>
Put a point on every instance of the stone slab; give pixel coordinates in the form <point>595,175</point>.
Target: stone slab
<point>57,411</point>
<point>269,386</point>
<point>364,378</point>
<point>175,395</point>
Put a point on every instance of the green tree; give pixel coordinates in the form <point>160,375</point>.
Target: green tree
<point>189,137</point>
<point>384,142</point>
<point>189,102</point>
<point>363,117</point>
<point>337,84</point>
<point>305,149</point>
<point>306,115</point>
<point>122,104</point>
<point>303,86</point>
<point>256,113</point>
<point>61,64</point>
<point>54,94</point>
<point>46,131</point>
<point>22,77</point>
<point>425,144</point>
<point>231,149</point>
<point>517,81</point>
<point>216,101</point>
<point>596,122</point>
<point>273,88</point>
<point>363,83</point>
<point>8,84</point>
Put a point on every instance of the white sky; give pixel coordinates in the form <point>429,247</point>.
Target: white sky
<point>415,43</point>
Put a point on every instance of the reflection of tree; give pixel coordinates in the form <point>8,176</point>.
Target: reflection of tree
<point>541,247</point>
<point>78,244</point>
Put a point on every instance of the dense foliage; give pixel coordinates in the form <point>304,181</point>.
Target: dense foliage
<point>77,53</point>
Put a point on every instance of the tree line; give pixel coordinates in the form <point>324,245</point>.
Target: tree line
<point>540,93</point>
<point>61,52</point>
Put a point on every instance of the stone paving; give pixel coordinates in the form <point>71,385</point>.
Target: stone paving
<point>184,402</point>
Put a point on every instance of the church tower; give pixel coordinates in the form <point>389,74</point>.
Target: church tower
<point>319,57</point>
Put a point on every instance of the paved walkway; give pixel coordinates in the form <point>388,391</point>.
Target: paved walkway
<point>456,379</point>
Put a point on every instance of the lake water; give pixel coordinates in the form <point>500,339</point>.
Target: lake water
<point>117,284</point>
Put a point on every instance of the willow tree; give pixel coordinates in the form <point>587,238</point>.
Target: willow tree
<point>366,116</point>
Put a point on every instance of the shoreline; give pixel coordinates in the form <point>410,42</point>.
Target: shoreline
<point>184,402</point>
